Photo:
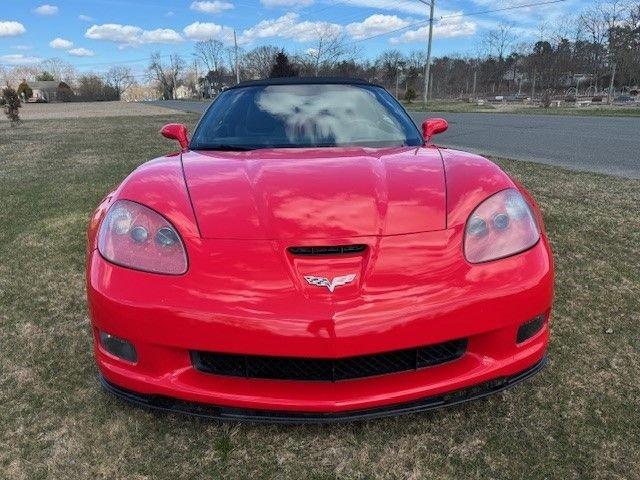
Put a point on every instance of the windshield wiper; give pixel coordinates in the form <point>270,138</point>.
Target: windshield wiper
<point>223,147</point>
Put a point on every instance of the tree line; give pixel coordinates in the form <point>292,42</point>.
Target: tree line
<point>587,54</point>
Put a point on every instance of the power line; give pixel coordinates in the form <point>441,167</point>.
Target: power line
<point>483,12</point>
<point>122,62</point>
<point>515,7</point>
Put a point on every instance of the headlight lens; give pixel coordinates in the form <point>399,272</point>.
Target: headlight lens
<point>134,236</point>
<point>499,227</point>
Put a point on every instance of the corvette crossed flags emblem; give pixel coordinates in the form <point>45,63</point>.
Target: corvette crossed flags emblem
<point>331,285</point>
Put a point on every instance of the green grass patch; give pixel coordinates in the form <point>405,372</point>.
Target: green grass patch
<point>453,106</point>
<point>577,419</point>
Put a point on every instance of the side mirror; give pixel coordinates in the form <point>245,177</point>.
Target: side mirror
<point>176,131</point>
<point>433,126</point>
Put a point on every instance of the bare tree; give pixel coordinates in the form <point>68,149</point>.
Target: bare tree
<point>388,65</point>
<point>166,76</point>
<point>596,30</point>
<point>211,53</point>
<point>257,63</point>
<point>191,78</point>
<point>331,46</point>
<point>61,70</point>
<point>499,40</point>
<point>231,57</point>
<point>119,78</point>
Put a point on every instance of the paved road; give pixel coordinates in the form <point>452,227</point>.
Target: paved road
<point>599,144</point>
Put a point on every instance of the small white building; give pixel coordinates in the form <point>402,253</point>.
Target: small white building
<point>44,91</point>
<point>184,92</point>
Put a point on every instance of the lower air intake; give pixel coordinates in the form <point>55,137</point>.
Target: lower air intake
<point>327,370</point>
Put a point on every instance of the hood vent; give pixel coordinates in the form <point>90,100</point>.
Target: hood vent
<point>329,250</point>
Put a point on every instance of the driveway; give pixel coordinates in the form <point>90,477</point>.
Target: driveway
<point>608,145</point>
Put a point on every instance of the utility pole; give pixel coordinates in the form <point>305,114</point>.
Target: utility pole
<point>427,67</point>
<point>235,41</point>
<point>533,85</point>
<point>475,78</point>
<point>613,76</point>
<point>399,71</point>
<point>195,68</point>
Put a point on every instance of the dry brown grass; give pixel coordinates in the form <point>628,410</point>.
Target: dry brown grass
<point>577,419</point>
<point>52,111</point>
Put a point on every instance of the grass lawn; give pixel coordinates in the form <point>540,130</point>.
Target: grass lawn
<point>453,106</point>
<point>578,419</point>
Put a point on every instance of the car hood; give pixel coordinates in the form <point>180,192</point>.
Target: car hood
<point>326,193</point>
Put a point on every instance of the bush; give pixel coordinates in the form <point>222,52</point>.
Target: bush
<point>65,93</point>
<point>410,95</point>
<point>24,90</point>
<point>45,77</point>
<point>91,88</point>
<point>10,102</point>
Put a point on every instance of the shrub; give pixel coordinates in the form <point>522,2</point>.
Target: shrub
<point>410,94</point>
<point>91,88</point>
<point>24,90</point>
<point>11,103</point>
<point>44,77</point>
<point>65,93</point>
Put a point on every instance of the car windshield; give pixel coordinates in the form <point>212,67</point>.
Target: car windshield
<point>304,115</point>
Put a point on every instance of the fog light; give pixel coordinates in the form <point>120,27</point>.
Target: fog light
<point>530,328</point>
<point>118,347</point>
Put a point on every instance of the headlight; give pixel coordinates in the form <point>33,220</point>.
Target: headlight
<point>134,236</point>
<point>499,227</point>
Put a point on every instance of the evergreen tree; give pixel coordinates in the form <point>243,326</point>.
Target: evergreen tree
<point>282,67</point>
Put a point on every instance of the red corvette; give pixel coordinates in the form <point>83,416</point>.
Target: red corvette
<point>310,256</point>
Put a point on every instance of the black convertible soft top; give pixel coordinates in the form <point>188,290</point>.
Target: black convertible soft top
<point>303,81</point>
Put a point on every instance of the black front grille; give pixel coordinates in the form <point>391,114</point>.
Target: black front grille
<point>327,370</point>
<point>329,250</point>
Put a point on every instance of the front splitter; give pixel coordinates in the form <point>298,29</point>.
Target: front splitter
<point>217,412</point>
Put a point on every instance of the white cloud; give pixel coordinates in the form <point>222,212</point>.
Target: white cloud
<point>216,6</point>
<point>22,47</point>
<point>46,9</point>
<point>286,3</point>
<point>161,35</point>
<point>85,18</point>
<point>208,31</point>
<point>19,59</point>
<point>11,29</point>
<point>81,52</point>
<point>130,35</point>
<point>445,28</point>
<point>60,43</point>
<point>169,14</point>
<point>114,32</point>
<point>288,26</point>
<point>376,25</point>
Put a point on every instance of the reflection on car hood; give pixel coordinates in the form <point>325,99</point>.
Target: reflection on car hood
<point>322,193</point>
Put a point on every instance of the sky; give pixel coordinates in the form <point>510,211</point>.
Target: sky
<point>95,34</point>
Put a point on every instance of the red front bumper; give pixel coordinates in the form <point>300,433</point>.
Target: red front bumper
<point>416,291</point>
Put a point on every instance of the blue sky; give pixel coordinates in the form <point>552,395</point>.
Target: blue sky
<point>92,34</point>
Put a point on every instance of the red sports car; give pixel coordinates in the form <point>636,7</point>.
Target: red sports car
<point>309,255</point>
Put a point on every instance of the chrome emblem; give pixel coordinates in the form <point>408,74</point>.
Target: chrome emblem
<point>331,285</point>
